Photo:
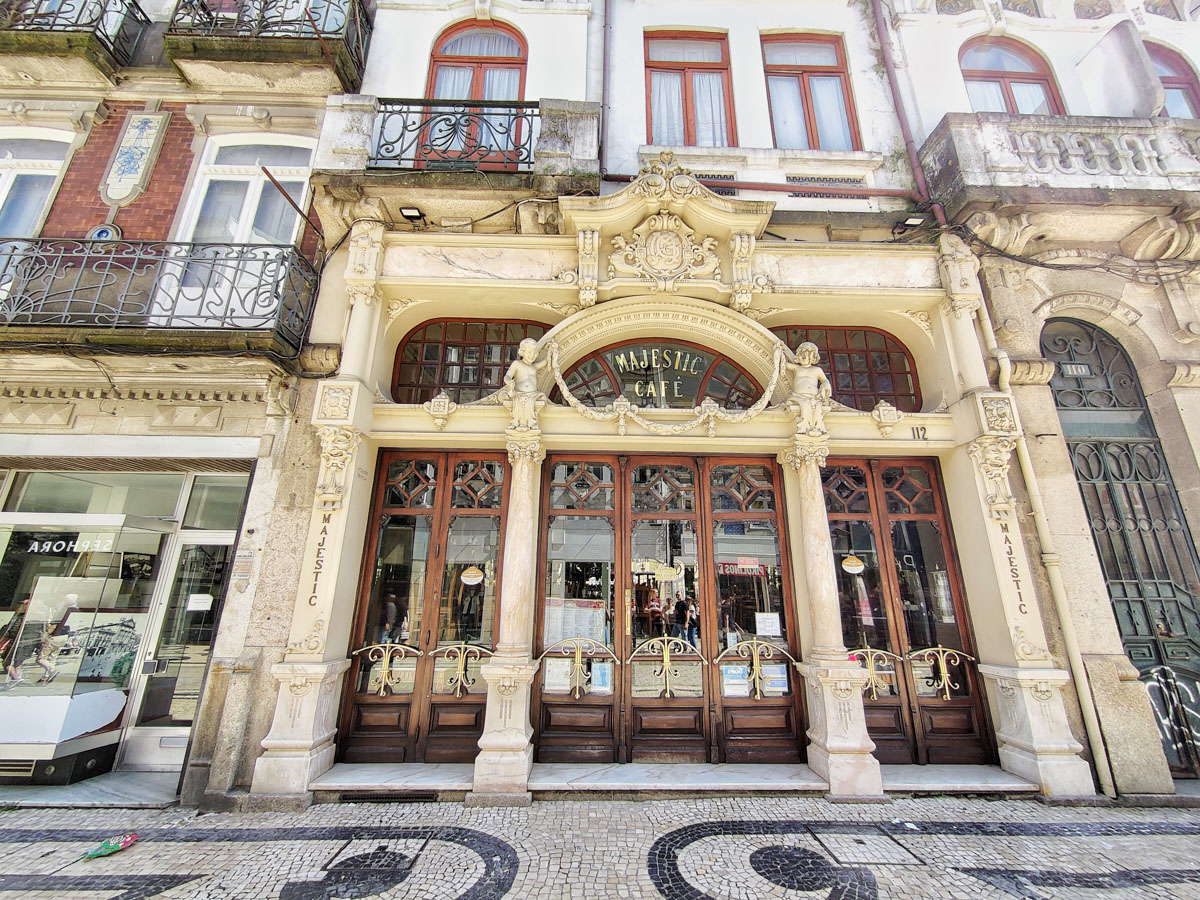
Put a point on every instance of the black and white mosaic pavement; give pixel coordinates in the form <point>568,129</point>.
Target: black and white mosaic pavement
<point>719,848</point>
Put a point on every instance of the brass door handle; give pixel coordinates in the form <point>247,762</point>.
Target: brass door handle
<point>628,611</point>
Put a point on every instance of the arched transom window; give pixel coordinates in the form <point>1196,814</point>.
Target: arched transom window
<point>465,359</point>
<point>477,62</point>
<point>1180,86</point>
<point>1005,76</point>
<point>864,365</point>
<point>662,374</point>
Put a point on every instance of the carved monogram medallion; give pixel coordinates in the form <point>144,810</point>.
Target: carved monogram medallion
<point>662,249</point>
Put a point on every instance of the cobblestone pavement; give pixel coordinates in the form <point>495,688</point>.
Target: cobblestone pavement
<point>735,848</point>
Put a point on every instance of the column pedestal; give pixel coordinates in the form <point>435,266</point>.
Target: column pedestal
<point>505,750</point>
<point>300,745</point>
<point>839,749</point>
<point>1034,738</point>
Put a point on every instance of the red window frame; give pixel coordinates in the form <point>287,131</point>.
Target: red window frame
<point>835,343</point>
<point>478,63</point>
<point>686,69</point>
<point>1040,76</point>
<point>803,73</point>
<point>1186,82</point>
<point>412,390</point>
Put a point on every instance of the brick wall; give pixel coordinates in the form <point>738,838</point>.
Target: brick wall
<point>77,207</point>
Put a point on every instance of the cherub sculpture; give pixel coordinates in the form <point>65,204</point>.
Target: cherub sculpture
<point>522,396</point>
<point>811,395</point>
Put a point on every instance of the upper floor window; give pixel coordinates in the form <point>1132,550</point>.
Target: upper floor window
<point>1004,76</point>
<point>29,168</point>
<point>809,91</point>
<point>864,365</point>
<point>1179,83</point>
<point>238,204</point>
<point>478,63</point>
<point>690,98</point>
<point>465,359</point>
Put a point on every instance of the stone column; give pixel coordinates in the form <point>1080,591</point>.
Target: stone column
<point>839,748</point>
<point>505,751</point>
<point>960,277</point>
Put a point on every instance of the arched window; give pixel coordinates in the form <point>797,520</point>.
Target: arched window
<point>475,61</point>
<point>864,365</point>
<point>1142,540</point>
<point>661,374</point>
<point>466,359</point>
<point>1004,76</point>
<point>1179,83</point>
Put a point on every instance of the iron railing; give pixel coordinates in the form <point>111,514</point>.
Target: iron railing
<point>117,24</point>
<point>321,20</point>
<point>156,285</point>
<point>454,134</point>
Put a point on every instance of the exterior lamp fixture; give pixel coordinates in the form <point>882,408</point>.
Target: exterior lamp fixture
<point>914,220</point>
<point>412,214</point>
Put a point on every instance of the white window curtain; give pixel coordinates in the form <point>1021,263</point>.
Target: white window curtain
<point>801,53</point>
<point>1031,99</point>
<point>27,196</point>
<point>787,113</point>
<point>481,42</point>
<point>708,99</point>
<point>829,104</point>
<point>453,83</point>
<point>985,96</point>
<point>666,108</point>
<point>685,51</point>
<point>500,84</point>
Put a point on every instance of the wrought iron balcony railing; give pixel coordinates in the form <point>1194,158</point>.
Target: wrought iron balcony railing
<point>454,135</point>
<point>117,24</point>
<point>344,21</point>
<point>155,285</point>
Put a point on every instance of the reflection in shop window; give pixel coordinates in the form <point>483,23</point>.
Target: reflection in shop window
<point>133,494</point>
<point>215,503</point>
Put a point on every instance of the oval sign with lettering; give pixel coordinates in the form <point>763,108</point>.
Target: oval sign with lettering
<point>853,565</point>
<point>472,575</point>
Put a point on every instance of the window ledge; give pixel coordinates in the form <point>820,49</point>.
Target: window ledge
<point>833,163</point>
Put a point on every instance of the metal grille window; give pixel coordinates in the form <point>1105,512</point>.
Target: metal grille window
<point>864,365</point>
<point>466,360</point>
<point>1142,539</point>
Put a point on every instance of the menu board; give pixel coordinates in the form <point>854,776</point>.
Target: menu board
<point>567,618</point>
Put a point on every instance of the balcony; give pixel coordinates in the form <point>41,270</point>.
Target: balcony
<point>155,295</point>
<point>446,135</point>
<point>68,42</point>
<point>985,160</point>
<point>314,47</point>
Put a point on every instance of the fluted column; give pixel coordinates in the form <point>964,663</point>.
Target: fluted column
<point>839,747</point>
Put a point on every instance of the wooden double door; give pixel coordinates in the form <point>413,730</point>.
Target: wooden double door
<point>665,618</point>
<point>902,611</point>
<point>428,609</point>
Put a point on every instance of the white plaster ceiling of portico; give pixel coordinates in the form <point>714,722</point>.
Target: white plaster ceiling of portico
<point>663,187</point>
<point>664,318</point>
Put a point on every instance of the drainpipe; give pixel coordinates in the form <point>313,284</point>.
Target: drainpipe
<point>910,147</point>
<point>806,190</point>
<point>1053,567</point>
<point>604,57</point>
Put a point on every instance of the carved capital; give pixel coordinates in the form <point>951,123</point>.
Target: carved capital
<point>361,293</point>
<point>339,443</point>
<point>805,450</point>
<point>526,446</point>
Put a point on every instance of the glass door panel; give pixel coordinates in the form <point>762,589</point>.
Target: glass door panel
<point>664,595</point>
<point>172,693</point>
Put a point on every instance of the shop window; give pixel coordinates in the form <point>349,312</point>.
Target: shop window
<point>1180,87</point>
<point>1005,76</point>
<point>215,503</point>
<point>689,94</point>
<point>98,493</point>
<point>462,358</point>
<point>661,374</point>
<point>474,62</point>
<point>29,169</point>
<point>809,91</point>
<point>864,365</point>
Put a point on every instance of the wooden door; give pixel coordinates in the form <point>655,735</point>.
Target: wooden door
<point>428,609</point>
<point>627,538</point>
<point>902,611</point>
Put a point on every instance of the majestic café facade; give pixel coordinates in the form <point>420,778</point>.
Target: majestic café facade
<point>502,550</point>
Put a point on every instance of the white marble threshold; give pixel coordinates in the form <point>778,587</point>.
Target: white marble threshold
<point>114,790</point>
<point>662,777</point>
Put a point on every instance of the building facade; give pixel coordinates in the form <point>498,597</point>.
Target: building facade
<point>811,388</point>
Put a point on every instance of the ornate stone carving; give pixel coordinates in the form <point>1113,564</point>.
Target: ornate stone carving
<point>520,393</point>
<point>662,179</point>
<point>998,415</point>
<point>395,307</point>
<point>662,250</point>
<point>1011,234</point>
<point>563,309</point>
<point>810,395</point>
<point>955,7</point>
<point>1024,7</point>
<point>1108,306</point>
<point>886,417</point>
<point>741,252</point>
<point>922,319</point>
<point>1184,374</point>
<point>762,312</point>
<point>335,402</point>
<point>1031,371</point>
<point>1165,8</point>
<point>364,251</point>
<point>1093,9</point>
<point>339,443</point>
<point>311,643</point>
<point>361,292</point>
<point>991,454</point>
<point>440,408</point>
<point>805,450</point>
<point>960,276</point>
<point>1165,237</point>
<point>1025,649</point>
<point>588,276</point>
<point>524,445</point>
